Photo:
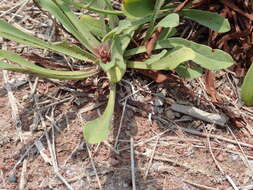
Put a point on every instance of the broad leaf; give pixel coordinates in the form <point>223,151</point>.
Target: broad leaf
<point>206,57</point>
<point>171,20</point>
<point>12,33</point>
<point>138,8</point>
<point>98,130</point>
<point>169,62</point>
<point>23,66</point>
<point>209,19</point>
<point>94,25</point>
<point>247,90</point>
<point>189,71</point>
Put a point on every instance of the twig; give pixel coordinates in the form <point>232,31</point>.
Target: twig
<point>146,141</point>
<point>23,176</point>
<point>151,159</point>
<point>73,152</point>
<point>121,122</point>
<point>243,153</point>
<point>181,6</point>
<point>199,186</point>
<point>93,166</point>
<point>229,179</point>
<point>248,187</point>
<point>200,114</point>
<point>195,132</point>
<point>165,158</point>
<point>41,149</point>
<point>54,162</point>
<point>14,107</point>
<point>14,7</point>
<point>20,9</point>
<point>132,163</point>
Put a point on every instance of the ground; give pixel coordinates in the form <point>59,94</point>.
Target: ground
<point>42,145</point>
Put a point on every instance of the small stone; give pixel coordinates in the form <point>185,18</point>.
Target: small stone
<point>235,157</point>
<point>164,92</point>
<point>169,114</point>
<point>158,102</point>
<point>12,179</point>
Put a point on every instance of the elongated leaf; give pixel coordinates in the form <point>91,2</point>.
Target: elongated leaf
<point>209,19</point>
<point>123,26</point>
<point>247,90</point>
<point>151,27</point>
<point>167,33</point>
<point>130,24</point>
<point>12,33</point>
<point>60,10</point>
<point>24,66</point>
<point>206,57</point>
<point>116,68</point>
<point>113,19</point>
<point>168,62</point>
<point>100,11</point>
<point>98,130</point>
<point>157,57</point>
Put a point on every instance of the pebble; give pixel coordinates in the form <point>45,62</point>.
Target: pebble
<point>12,179</point>
<point>169,114</point>
<point>158,102</point>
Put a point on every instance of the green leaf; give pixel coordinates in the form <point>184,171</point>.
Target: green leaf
<point>209,19</point>
<point>24,66</point>
<point>167,33</point>
<point>156,57</point>
<point>189,71</point>
<point>60,10</point>
<point>12,33</point>
<point>206,57</point>
<point>247,90</point>
<point>169,62</point>
<point>95,26</point>
<point>138,8</point>
<point>96,8</point>
<point>123,26</point>
<point>171,20</point>
<point>151,27</point>
<point>98,130</point>
<point>116,68</point>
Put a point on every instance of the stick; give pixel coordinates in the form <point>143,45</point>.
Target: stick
<point>23,176</point>
<point>200,114</point>
<point>132,163</point>
<point>229,179</point>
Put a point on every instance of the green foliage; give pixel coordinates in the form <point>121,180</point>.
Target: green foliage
<point>209,19</point>
<point>247,91</point>
<point>101,125</point>
<point>106,41</point>
<point>138,8</point>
